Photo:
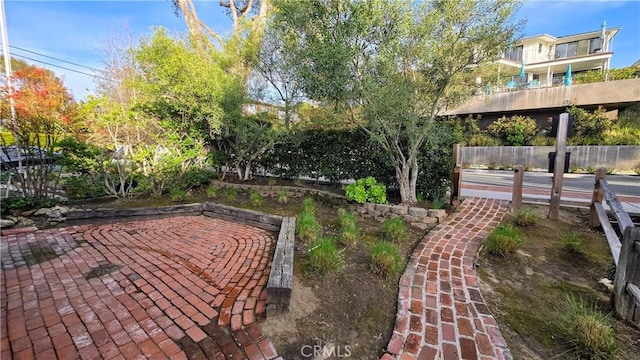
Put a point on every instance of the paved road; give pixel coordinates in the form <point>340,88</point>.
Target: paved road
<point>577,188</point>
<point>623,185</point>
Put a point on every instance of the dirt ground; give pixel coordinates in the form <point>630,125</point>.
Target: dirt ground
<point>525,292</point>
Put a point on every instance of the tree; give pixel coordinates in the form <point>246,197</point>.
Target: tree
<point>44,109</point>
<point>393,65</point>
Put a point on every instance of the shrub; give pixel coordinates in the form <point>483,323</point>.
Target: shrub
<point>231,195</point>
<point>386,260</point>
<point>309,205</point>
<point>212,192</point>
<point>194,177</point>
<point>572,242</point>
<point>256,198</point>
<point>482,140</point>
<point>272,182</point>
<point>283,198</point>
<point>503,240</point>
<point>367,189</point>
<point>394,229</point>
<point>619,135</point>
<point>177,194</point>
<point>83,187</point>
<point>324,256</point>
<point>587,330</point>
<point>526,217</point>
<point>514,131</point>
<point>590,126</point>
<point>307,227</point>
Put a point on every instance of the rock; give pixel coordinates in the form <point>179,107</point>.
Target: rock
<point>25,222</point>
<point>419,212</point>
<point>383,208</point>
<point>399,209</point>
<point>607,283</point>
<point>420,225</point>
<point>528,271</point>
<point>42,212</point>
<point>28,212</point>
<point>437,213</point>
<point>410,219</point>
<point>369,206</point>
<point>6,223</point>
<point>61,209</point>
<point>429,220</point>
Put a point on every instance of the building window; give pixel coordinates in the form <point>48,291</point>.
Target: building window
<point>514,54</point>
<point>539,48</point>
<point>577,48</point>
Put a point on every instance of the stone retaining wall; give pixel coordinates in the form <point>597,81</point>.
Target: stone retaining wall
<point>416,216</point>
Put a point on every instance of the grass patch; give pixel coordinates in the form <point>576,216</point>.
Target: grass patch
<point>283,197</point>
<point>526,217</point>
<point>504,240</point>
<point>572,243</point>
<point>324,256</point>
<point>212,192</point>
<point>349,232</point>
<point>587,331</point>
<point>309,205</point>
<point>177,194</point>
<point>386,260</point>
<point>231,194</point>
<point>438,203</point>
<point>394,230</point>
<point>256,198</point>
<point>307,227</point>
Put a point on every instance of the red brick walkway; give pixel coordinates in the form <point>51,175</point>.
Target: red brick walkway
<point>182,287</point>
<point>441,313</point>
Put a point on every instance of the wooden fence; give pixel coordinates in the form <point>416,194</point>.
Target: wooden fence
<point>625,250</point>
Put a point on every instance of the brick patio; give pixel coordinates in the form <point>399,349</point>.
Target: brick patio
<point>441,313</point>
<point>182,287</point>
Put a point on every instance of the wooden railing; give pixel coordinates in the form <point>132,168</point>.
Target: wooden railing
<point>625,250</point>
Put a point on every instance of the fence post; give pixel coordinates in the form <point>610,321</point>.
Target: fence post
<point>558,173</point>
<point>516,197</point>
<point>456,177</point>
<point>597,197</point>
<point>628,271</point>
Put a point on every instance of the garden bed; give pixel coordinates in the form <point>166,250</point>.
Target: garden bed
<point>526,292</point>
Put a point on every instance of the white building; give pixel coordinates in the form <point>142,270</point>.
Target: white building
<point>546,58</point>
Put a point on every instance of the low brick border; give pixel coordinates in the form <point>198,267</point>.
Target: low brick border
<point>441,312</point>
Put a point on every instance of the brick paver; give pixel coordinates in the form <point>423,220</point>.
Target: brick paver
<point>182,287</point>
<point>441,313</point>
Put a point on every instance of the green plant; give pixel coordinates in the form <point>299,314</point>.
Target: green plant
<point>283,197</point>
<point>394,229</point>
<point>14,202</point>
<point>438,203</point>
<point>590,126</point>
<point>367,189</point>
<point>177,194</point>
<point>297,182</point>
<point>272,182</point>
<point>482,140</point>
<point>572,242</point>
<point>504,240</point>
<point>309,205</point>
<point>587,331</point>
<point>526,217</point>
<point>386,260</point>
<point>193,177</point>
<point>307,227</point>
<point>349,232</point>
<point>256,198</point>
<point>212,192</point>
<point>324,256</point>
<point>514,131</point>
<point>231,194</point>
<point>420,196</point>
<point>83,187</point>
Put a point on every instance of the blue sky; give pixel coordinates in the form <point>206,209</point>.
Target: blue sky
<point>77,30</point>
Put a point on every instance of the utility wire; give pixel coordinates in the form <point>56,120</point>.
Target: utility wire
<point>57,59</point>
<point>62,67</point>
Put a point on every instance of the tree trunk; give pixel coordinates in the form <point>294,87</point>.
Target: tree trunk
<point>407,177</point>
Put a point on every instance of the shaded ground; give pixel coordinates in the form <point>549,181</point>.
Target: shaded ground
<point>524,292</point>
